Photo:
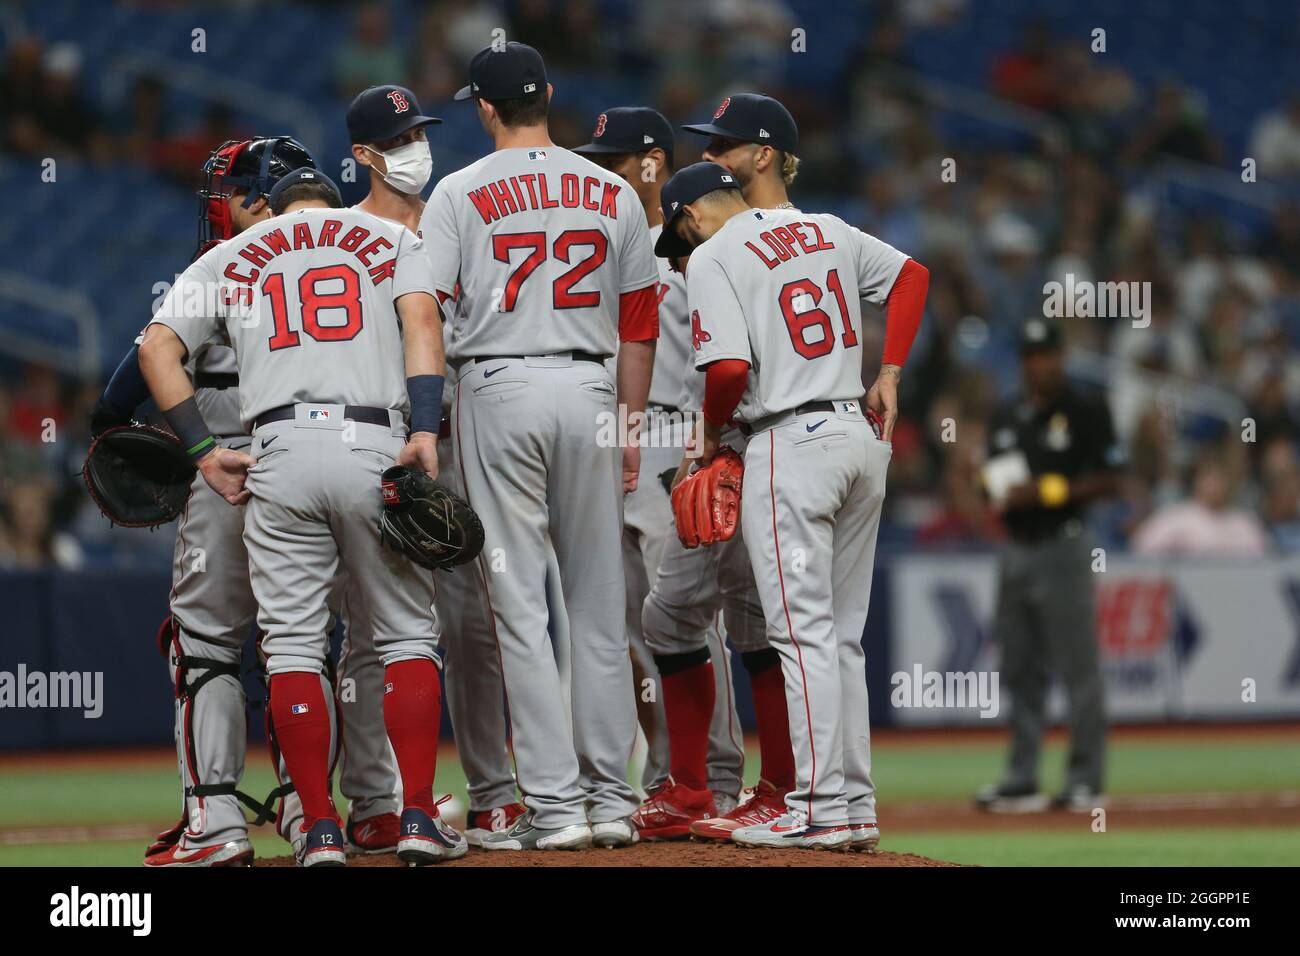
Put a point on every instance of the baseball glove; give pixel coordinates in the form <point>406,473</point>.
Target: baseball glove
<point>139,476</point>
<point>707,502</point>
<point>426,522</point>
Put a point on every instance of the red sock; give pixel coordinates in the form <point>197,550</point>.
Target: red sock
<point>412,707</point>
<point>688,706</point>
<point>775,750</point>
<point>302,729</point>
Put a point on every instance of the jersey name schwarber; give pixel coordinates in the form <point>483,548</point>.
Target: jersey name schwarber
<point>307,302</point>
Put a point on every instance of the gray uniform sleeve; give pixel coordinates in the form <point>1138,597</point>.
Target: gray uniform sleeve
<point>718,329</point>
<point>637,263</point>
<point>193,306</point>
<point>413,271</point>
<point>441,239</point>
<point>878,266</point>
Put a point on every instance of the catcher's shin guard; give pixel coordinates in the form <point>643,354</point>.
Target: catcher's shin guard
<point>211,738</point>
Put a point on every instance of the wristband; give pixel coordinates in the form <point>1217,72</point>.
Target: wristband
<point>187,422</point>
<point>1053,490</point>
<point>425,392</point>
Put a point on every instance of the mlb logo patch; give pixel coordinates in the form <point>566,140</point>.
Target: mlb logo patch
<point>388,687</point>
<point>530,87</point>
<point>536,154</point>
<point>850,406</point>
<point>318,414</point>
<point>727,179</point>
<point>298,709</point>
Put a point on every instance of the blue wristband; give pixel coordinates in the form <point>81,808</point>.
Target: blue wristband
<point>425,392</point>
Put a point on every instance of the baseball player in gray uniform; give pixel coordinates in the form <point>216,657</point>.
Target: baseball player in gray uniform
<point>554,266</point>
<point>211,607</point>
<point>388,133</point>
<point>755,139</point>
<point>637,144</point>
<point>311,302</point>
<point>777,333</point>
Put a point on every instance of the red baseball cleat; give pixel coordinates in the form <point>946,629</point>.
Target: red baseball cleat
<point>377,834</point>
<point>166,839</point>
<point>765,804</point>
<point>482,822</point>
<point>670,811</point>
<point>235,853</point>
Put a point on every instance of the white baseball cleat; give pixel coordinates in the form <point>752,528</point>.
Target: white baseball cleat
<point>614,833</point>
<point>524,836</point>
<point>866,837</point>
<point>792,831</point>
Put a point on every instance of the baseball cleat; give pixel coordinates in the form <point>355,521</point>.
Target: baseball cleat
<point>482,822</point>
<point>524,836</point>
<point>1079,799</point>
<point>614,833</point>
<point>1005,799</point>
<point>866,837</point>
<point>791,830</point>
<point>425,839</point>
<point>764,805</point>
<point>324,845</point>
<point>235,853</point>
<point>670,810</point>
<point>166,839</point>
<point>377,834</point>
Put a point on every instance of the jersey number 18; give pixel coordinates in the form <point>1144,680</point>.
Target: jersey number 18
<point>348,299</point>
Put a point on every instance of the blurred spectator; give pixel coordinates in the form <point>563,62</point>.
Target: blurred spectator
<point>966,518</point>
<point>180,158</point>
<point>1173,128</point>
<point>1275,141</point>
<point>51,117</point>
<point>1208,525</point>
<point>26,537</point>
<point>370,56</point>
<point>144,123</point>
<point>20,91</point>
<point>1026,75</point>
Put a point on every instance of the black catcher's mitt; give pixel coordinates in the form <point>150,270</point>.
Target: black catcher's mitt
<point>138,475</point>
<point>426,522</point>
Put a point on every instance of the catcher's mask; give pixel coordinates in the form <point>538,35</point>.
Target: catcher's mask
<point>253,165</point>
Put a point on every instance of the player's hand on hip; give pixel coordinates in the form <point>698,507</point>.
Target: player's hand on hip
<point>883,399</point>
<point>631,467</point>
<point>421,452</point>
<point>225,470</point>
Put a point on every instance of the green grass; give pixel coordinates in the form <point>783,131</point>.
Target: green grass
<point>919,771</point>
<point>1218,846</point>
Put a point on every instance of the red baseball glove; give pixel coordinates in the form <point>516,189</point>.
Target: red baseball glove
<point>706,504</point>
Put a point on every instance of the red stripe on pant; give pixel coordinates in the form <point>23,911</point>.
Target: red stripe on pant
<point>789,625</point>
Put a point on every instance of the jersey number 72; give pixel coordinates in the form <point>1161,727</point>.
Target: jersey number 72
<point>799,321</point>
<point>562,294</point>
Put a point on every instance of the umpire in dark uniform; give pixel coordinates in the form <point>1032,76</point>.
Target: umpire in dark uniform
<point>1046,616</point>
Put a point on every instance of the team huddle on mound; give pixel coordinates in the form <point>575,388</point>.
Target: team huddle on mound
<point>479,339</point>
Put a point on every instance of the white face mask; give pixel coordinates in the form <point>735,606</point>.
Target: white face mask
<point>409,166</point>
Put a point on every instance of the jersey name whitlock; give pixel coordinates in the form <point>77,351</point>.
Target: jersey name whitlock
<point>527,191</point>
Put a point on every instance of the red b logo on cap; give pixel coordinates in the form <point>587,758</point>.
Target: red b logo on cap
<point>600,127</point>
<point>400,102</point>
<point>723,108</point>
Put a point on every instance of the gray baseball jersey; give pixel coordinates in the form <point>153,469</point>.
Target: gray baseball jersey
<point>671,384</point>
<point>289,292</point>
<point>540,243</point>
<point>780,288</point>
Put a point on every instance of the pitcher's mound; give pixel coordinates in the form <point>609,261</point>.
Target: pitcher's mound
<point>655,854</point>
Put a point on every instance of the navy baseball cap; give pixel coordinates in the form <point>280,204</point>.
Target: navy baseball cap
<point>384,112</point>
<point>686,186</point>
<point>509,73</point>
<point>304,175</point>
<point>629,129</point>
<point>752,118</point>
<point>1039,335</point>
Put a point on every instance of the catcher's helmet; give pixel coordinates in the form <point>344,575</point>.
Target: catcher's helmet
<point>254,165</point>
